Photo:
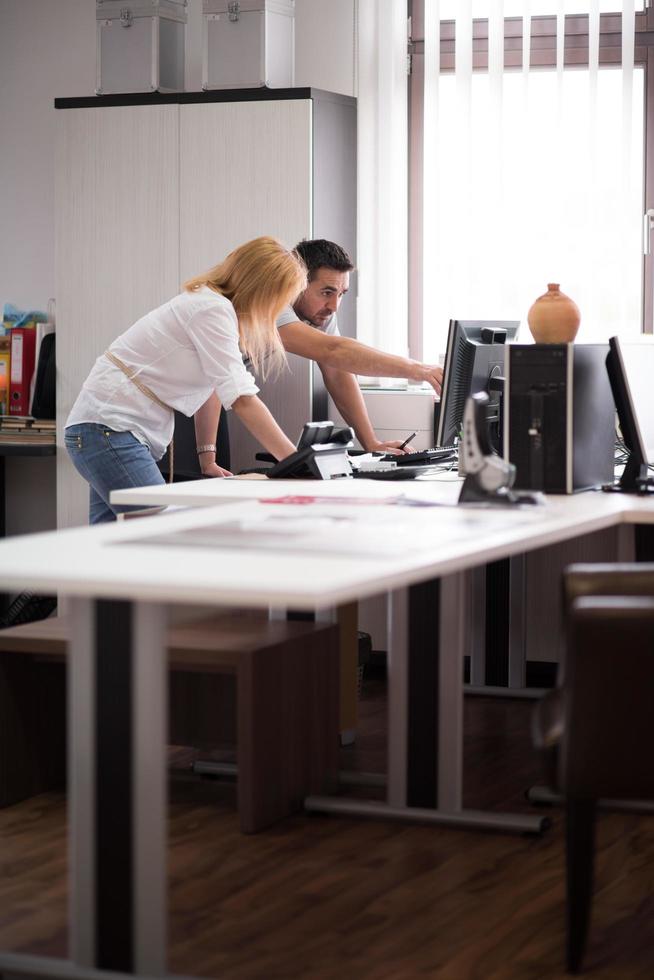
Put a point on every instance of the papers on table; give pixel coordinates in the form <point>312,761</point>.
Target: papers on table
<point>329,528</point>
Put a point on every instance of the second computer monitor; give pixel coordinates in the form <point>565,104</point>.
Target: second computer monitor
<point>631,369</point>
<point>474,357</point>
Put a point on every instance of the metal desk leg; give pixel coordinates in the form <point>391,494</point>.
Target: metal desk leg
<point>150,679</point>
<point>436,642</point>
<point>427,639</point>
<point>477,645</point>
<point>517,626</point>
<point>81,782</point>
<point>452,638</point>
<point>118,813</point>
<point>398,686</point>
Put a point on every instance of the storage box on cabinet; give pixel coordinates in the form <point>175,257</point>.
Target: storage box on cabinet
<point>140,46</point>
<point>248,43</point>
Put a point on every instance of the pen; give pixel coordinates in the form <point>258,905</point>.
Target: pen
<point>407,441</point>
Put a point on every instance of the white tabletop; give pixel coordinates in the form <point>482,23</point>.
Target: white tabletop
<point>207,492</point>
<point>375,548</point>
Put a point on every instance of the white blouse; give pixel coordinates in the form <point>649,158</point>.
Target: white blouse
<point>183,351</point>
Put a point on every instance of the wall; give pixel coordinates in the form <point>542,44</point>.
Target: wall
<point>47,49</point>
<point>36,42</point>
<point>37,38</point>
<point>325,45</point>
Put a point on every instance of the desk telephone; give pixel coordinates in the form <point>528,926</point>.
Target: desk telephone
<point>320,455</point>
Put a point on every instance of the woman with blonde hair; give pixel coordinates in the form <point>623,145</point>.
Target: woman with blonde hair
<point>185,355</point>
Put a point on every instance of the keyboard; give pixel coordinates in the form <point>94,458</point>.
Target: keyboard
<point>426,457</point>
<point>396,473</point>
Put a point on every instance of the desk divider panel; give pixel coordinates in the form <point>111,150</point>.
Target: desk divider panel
<point>423,627</point>
<point>113,790</point>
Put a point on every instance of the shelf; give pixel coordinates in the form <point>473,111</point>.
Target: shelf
<point>27,449</point>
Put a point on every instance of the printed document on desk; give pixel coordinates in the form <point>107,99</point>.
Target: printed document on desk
<point>328,529</point>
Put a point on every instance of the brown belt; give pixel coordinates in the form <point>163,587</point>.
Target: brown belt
<point>131,374</point>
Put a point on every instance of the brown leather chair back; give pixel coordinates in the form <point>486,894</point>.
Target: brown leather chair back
<point>614,579</point>
<point>607,748</point>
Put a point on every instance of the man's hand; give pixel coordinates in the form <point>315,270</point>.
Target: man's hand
<point>431,373</point>
<point>391,446</point>
<point>212,469</point>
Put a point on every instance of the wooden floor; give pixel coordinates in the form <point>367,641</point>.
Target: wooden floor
<point>325,897</point>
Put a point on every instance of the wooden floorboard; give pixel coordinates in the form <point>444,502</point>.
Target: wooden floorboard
<point>325,897</point>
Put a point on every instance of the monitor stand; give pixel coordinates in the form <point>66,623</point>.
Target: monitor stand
<point>635,478</point>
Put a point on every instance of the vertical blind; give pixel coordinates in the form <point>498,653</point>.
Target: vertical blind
<point>382,174</point>
<point>531,173</point>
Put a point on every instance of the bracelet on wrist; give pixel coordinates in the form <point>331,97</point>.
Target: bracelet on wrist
<point>209,448</point>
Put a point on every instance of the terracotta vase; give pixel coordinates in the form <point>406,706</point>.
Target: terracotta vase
<point>553,318</point>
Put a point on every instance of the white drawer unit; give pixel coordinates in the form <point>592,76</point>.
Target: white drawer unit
<point>248,43</point>
<point>140,46</point>
<point>396,413</point>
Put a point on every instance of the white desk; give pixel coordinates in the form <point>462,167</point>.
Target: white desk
<point>120,585</point>
<point>205,493</point>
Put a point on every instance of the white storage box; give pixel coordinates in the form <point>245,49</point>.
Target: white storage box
<point>248,43</point>
<point>140,46</point>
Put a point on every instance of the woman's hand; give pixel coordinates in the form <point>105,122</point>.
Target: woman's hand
<point>211,468</point>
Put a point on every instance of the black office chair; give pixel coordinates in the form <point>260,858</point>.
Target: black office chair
<point>597,728</point>
<point>186,463</point>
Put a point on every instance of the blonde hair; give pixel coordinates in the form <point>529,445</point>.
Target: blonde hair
<point>259,278</point>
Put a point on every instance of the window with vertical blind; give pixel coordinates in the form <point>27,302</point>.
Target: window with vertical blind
<point>528,163</point>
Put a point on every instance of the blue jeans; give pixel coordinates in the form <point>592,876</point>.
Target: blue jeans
<point>109,460</point>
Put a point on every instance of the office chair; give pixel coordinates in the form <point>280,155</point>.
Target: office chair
<point>593,729</point>
<point>187,465</point>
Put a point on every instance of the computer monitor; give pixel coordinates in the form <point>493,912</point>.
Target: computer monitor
<point>631,369</point>
<point>474,362</point>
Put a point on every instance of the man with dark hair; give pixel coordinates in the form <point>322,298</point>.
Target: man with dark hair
<point>320,253</point>
<point>309,328</point>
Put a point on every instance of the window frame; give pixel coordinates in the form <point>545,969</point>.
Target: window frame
<point>542,56</point>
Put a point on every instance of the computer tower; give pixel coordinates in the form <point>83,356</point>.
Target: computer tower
<point>559,416</point>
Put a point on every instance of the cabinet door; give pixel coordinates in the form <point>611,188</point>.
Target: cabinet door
<point>117,245</point>
<point>245,171</point>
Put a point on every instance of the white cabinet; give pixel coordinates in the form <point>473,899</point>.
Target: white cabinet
<point>257,181</point>
<point>117,245</point>
<point>277,167</point>
<point>151,194</point>
<point>244,167</point>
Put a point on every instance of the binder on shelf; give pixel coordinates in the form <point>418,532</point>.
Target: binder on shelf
<point>21,369</point>
<point>42,396</point>
<point>4,375</point>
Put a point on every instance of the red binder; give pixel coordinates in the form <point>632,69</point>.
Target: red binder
<point>21,369</point>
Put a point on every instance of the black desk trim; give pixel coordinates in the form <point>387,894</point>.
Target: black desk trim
<point>27,449</point>
<point>215,95</point>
